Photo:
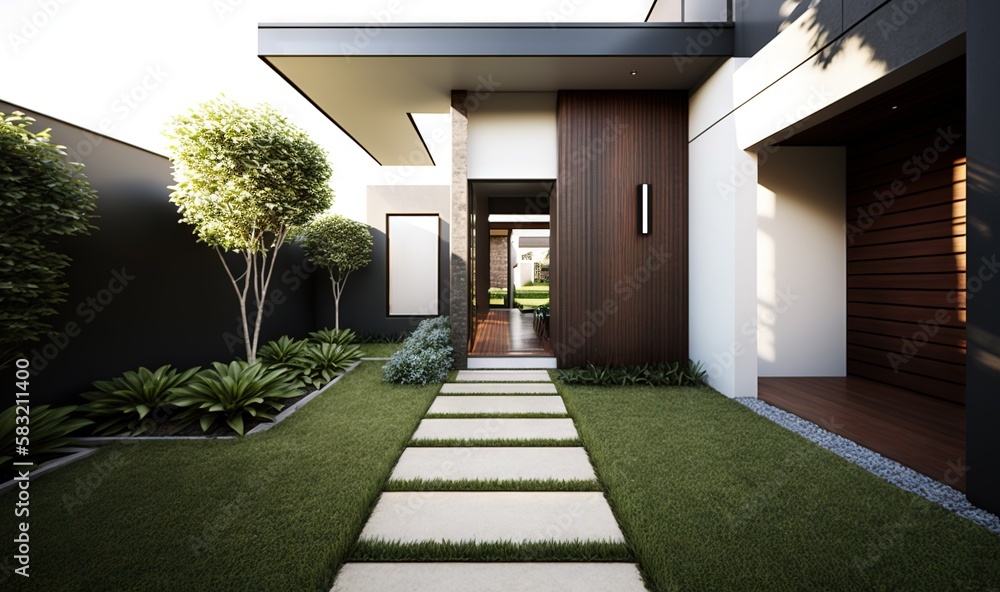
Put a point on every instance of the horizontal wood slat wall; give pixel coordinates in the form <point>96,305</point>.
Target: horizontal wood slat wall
<point>906,256</point>
<point>619,297</point>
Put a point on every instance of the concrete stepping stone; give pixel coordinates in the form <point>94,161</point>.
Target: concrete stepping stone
<point>481,516</point>
<point>503,376</point>
<point>497,404</point>
<point>495,429</point>
<point>489,577</point>
<point>485,463</point>
<point>498,388</point>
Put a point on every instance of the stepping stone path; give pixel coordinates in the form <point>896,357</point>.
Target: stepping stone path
<point>491,516</point>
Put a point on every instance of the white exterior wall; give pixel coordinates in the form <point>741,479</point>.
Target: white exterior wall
<point>723,185</point>
<point>802,262</point>
<point>513,136</point>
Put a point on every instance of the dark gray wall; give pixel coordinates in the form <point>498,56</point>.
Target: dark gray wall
<point>142,292</point>
<point>757,22</point>
<point>364,304</point>
<point>983,371</point>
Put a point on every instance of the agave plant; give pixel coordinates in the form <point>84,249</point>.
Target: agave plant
<point>693,373</point>
<point>228,392</point>
<point>282,351</point>
<point>124,402</point>
<point>320,363</point>
<point>50,428</point>
<point>333,336</point>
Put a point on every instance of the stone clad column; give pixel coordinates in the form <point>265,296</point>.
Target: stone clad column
<point>460,228</point>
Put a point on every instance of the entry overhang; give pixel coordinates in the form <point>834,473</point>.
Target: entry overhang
<point>370,79</point>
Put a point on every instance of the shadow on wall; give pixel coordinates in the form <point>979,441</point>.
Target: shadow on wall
<point>874,28</point>
<point>142,291</point>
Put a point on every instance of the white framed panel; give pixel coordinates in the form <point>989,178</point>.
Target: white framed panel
<point>413,242</point>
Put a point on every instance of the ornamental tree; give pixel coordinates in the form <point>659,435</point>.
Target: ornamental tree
<point>245,177</point>
<point>339,244</point>
<point>43,197</point>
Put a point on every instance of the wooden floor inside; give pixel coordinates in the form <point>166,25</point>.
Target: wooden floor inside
<point>921,432</point>
<point>509,332</point>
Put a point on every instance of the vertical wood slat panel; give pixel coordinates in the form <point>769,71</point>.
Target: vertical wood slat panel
<point>619,297</point>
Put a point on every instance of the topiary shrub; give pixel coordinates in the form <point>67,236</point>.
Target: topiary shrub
<point>426,355</point>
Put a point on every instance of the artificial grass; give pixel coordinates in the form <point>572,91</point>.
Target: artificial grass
<point>714,497</point>
<point>439,484</point>
<point>379,550</point>
<point>379,350</point>
<point>496,416</point>
<point>453,442</point>
<point>275,511</point>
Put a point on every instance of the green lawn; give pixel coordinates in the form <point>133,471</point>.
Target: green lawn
<point>278,511</point>
<point>714,497</point>
<point>379,350</point>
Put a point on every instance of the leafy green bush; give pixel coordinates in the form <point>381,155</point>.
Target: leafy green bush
<point>333,336</point>
<point>284,350</point>
<point>43,198</point>
<point>426,355</point>
<point>49,428</point>
<point>319,363</point>
<point>674,374</point>
<point>122,403</point>
<point>229,392</point>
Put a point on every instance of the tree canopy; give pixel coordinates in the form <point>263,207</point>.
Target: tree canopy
<point>43,197</point>
<point>339,244</point>
<point>245,177</point>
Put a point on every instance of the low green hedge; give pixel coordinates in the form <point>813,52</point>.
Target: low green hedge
<point>673,374</point>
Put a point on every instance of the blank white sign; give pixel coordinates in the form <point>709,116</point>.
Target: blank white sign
<point>413,265</point>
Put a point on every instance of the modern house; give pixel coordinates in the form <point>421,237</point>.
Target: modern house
<point>780,195</point>
<point>803,196</point>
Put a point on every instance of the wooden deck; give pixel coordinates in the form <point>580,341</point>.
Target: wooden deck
<point>921,432</point>
<point>508,332</point>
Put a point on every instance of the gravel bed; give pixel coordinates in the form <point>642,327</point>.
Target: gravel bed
<point>873,462</point>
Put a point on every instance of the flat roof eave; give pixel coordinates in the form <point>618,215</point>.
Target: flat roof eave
<point>369,79</point>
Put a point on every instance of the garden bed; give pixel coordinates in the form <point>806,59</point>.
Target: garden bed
<point>171,430</point>
<point>127,517</point>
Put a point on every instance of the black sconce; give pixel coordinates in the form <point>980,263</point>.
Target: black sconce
<point>643,211</point>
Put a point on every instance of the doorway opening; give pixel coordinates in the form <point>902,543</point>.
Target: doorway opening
<point>510,259</point>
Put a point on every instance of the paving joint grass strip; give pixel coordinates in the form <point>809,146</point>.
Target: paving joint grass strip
<point>496,428</point>
<point>552,403</point>
<point>498,388</point>
<point>497,415</point>
<point>569,442</point>
<point>506,551</point>
<point>492,485</point>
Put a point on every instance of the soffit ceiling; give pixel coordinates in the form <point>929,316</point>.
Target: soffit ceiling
<point>370,93</point>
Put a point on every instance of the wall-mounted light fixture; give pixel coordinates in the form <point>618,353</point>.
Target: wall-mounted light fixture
<point>644,209</point>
